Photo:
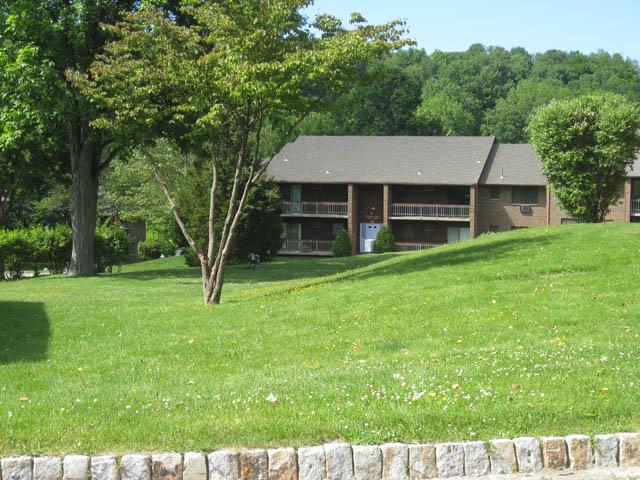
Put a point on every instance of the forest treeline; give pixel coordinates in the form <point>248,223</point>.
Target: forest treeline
<point>481,91</point>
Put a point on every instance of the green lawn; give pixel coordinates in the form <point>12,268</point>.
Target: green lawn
<point>526,332</point>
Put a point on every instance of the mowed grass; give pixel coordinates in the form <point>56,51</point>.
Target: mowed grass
<point>527,332</point>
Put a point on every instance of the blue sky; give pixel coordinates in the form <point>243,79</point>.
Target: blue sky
<point>537,25</point>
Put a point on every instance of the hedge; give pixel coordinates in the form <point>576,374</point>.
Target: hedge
<point>37,248</point>
<point>384,242</point>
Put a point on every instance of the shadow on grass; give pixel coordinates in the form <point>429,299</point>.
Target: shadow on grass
<point>277,270</point>
<point>471,251</point>
<point>467,253</point>
<point>24,332</point>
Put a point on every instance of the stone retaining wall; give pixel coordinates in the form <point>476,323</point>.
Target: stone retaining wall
<point>341,461</point>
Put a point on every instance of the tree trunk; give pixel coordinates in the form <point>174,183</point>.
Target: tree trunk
<point>84,204</point>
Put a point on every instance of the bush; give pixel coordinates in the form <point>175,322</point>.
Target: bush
<point>191,258</point>
<point>260,225</point>
<point>384,241</point>
<point>16,251</point>
<point>51,247</point>
<point>342,244</point>
<point>111,247</point>
<point>150,249</point>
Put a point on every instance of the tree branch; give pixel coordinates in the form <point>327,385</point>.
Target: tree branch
<point>175,212</point>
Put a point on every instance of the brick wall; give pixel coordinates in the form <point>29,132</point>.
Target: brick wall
<point>503,214</point>
<point>619,212</point>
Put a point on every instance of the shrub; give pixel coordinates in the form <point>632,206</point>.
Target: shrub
<point>111,247</point>
<point>342,244</point>
<point>191,258</point>
<point>51,247</point>
<point>16,251</point>
<point>260,225</point>
<point>384,241</point>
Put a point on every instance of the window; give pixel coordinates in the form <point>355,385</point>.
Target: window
<point>428,228</point>
<point>494,193</point>
<point>316,225</point>
<point>295,193</point>
<point>524,195</point>
<point>337,228</point>
<point>494,228</point>
<point>293,231</point>
<point>407,231</point>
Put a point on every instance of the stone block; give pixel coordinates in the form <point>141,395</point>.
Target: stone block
<point>75,467</point>
<point>283,464</point>
<point>422,462</point>
<point>367,462</point>
<point>450,459</point>
<point>339,461</point>
<point>503,456</point>
<point>194,466</point>
<point>528,454</point>
<point>311,463</point>
<point>554,453</point>
<point>606,451</point>
<point>629,444</point>
<point>104,467</point>
<point>224,465</point>
<point>579,449</point>
<point>135,467</point>
<point>16,468</point>
<point>476,459</point>
<point>254,464</point>
<point>395,461</point>
<point>47,468</point>
<point>166,466</point>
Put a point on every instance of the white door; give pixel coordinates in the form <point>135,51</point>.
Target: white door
<point>368,233</point>
<point>455,234</point>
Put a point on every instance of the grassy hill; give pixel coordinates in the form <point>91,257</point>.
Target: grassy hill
<point>527,332</point>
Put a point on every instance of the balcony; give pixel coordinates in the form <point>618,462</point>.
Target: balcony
<point>315,209</point>
<point>307,247</point>
<point>635,207</point>
<point>414,246</point>
<point>417,211</point>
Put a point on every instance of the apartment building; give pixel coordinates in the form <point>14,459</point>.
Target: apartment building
<point>428,190</point>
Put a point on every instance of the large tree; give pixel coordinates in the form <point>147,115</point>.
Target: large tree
<point>587,144</point>
<point>508,120</point>
<point>67,35</point>
<point>212,86</point>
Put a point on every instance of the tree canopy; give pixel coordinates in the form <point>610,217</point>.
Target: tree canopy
<point>213,85</point>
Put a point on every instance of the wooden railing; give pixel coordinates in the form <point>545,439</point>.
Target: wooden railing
<point>414,246</point>
<point>307,246</point>
<point>635,206</point>
<point>315,208</point>
<point>429,211</point>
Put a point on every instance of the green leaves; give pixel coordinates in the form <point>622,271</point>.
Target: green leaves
<point>587,145</point>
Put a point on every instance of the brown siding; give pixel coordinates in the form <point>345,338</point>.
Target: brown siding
<point>318,192</point>
<point>504,214</point>
<point>429,194</point>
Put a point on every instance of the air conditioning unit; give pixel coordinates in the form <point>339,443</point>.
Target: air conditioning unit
<point>526,209</point>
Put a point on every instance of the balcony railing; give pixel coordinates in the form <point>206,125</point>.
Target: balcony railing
<point>414,246</point>
<point>329,209</point>
<point>409,210</point>
<point>635,206</point>
<point>307,247</point>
